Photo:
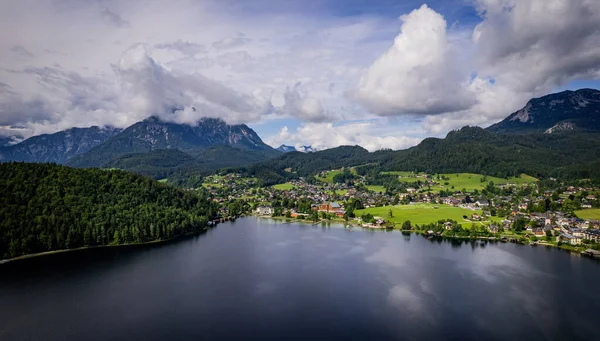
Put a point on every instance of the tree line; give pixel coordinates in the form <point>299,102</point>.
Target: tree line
<point>45,207</point>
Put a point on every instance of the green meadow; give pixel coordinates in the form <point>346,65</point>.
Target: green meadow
<point>589,214</point>
<point>338,192</point>
<point>331,174</point>
<point>421,213</point>
<point>376,189</point>
<point>470,181</point>
<point>284,187</point>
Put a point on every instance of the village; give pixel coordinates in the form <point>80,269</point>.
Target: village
<point>526,212</point>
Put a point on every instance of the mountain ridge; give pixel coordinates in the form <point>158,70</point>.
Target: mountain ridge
<point>58,147</point>
<point>563,111</point>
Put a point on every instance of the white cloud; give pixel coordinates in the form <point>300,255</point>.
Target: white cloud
<point>305,108</point>
<point>369,135</point>
<point>223,62</point>
<point>526,48</point>
<point>420,73</point>
<point>148,88</point>
<point>79,63</point>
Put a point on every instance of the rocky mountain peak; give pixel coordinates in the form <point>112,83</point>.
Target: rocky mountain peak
<point>568,110</point>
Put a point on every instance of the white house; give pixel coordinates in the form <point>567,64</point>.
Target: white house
<point>265,210</point>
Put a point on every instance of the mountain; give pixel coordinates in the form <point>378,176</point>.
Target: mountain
<point>286,149</point>
<point>564,111</point>
<point>306,149</point>
<point>5,141</point>
<point>276,170</point>
<point>153,134</point>
<point>470,149</point>
<point>302,149</point>
<point>179,167</point>
<point>58,147</point>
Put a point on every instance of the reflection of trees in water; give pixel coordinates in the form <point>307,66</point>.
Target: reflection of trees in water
<point>459,242</point>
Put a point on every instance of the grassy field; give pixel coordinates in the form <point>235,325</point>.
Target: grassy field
<point>376,188</point>
<point>471,181</point>
<point>162,180</point>
<point>592,213</point>
<point>403,174</point>
<point>331,174</point>
<point>420,213</point>
<point>284,187</point>
<point>339,192</point>
<point>210,184</point>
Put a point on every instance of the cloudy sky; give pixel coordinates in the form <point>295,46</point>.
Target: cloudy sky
<point>378,73</point>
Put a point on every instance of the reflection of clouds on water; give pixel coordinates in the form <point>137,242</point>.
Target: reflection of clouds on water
<point>402,296</point>
<point>390,255</point>
<point>411,303</point>
<point>492,263</point>
<point>334,238</point>
<point>358,249</point>
<point>427,289</point>
<point>264,288</point>
<point>537,308</point>
<point>307,237</point>
<point>284,243</point>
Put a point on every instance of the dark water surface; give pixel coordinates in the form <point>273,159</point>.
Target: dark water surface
<point>265,280</point>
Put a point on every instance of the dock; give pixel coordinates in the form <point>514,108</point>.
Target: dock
<point>591,252</point>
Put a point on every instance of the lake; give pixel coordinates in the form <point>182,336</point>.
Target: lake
<point>267,280</point>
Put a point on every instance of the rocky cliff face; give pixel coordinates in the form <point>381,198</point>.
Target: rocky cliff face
<point>58,147</point>
<point>564,111</point>
<point>153,134</point>
<point>286,149</point>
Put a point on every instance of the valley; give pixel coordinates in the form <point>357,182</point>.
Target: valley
<point>529,185</point>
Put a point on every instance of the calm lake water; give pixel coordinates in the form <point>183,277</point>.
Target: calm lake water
<point>265,280</point>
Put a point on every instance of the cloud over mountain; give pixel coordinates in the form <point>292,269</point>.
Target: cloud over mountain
<point>313,66</point>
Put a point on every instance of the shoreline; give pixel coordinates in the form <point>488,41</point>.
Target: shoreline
<point>345,224</point>
<point>573,249</point>
<point>53,252</point>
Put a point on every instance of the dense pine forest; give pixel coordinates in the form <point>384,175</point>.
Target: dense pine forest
<point>471,149</point>
<point>45,207</point>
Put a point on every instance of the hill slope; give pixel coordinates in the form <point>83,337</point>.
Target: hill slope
<point>180,166</point>
<point>564,111</point>
<point>46,207</point>
<point>58,147</point>
<point>471,149</point>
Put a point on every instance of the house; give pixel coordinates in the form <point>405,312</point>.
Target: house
<point>265,210</point>
<point>539,232</point>
<point>480,203</point>
<point>331,207</point>
<point>592,234</point>
<point>411,190</point>
<point>570,239</point>
<point>493,228</point>
<point>577,232</point>
<point>448,225</point>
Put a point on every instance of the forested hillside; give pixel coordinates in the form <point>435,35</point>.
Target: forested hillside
<point>182,168</point>
<point>46,207</point>
<point>471,149</point>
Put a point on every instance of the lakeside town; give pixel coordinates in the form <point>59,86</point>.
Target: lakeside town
<point>531,211</point>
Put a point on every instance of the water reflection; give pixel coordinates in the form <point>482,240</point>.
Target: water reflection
<point>271,280</point>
